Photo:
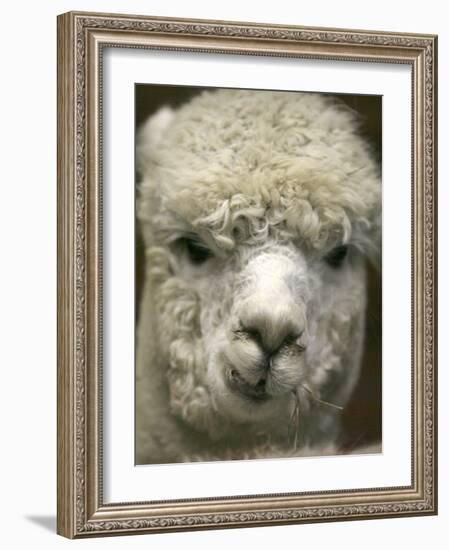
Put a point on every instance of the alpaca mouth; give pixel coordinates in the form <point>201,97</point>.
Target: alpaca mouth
<point>257,392</point>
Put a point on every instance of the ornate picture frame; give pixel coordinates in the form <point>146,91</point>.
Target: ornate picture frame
<point>82,41</point>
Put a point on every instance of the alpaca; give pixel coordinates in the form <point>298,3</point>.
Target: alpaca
<point>259,211</point>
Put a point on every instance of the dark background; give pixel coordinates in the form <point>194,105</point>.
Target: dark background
<point>362,417</point>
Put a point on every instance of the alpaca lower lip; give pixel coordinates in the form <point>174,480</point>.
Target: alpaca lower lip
<point>256,392</point>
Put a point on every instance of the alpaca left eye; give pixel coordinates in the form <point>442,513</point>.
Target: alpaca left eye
<point>336,256</point>
<point>197,252</point>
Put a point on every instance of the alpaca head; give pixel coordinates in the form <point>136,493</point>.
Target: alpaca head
<point>258,211</point>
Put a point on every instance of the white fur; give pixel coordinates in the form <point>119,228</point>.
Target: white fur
<point>270,182</point>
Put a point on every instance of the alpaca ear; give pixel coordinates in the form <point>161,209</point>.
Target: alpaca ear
<point>149,136</point>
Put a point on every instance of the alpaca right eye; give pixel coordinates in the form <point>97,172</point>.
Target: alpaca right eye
<point>336,257</point>
<point>197,252</point>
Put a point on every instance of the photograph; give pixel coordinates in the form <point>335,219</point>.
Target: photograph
<point>258,274</point>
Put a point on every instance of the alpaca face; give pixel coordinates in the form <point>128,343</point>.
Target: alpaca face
<point>274,322</point>
<point>257,210</point>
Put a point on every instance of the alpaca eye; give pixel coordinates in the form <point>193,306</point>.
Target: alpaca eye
<point>336,256</point>
<point>197,252</point>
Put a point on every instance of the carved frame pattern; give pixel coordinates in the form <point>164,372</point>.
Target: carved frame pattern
<point>81,37</point>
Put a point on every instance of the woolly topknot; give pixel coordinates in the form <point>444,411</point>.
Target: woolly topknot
<point>253,160</point>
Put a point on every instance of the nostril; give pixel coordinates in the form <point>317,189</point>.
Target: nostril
<point>294,339</point>
<point>253,333</point>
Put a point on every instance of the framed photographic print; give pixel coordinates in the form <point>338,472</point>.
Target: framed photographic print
<point>246,274</point>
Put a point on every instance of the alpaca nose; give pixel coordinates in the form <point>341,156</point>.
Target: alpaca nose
<point>272,324</point>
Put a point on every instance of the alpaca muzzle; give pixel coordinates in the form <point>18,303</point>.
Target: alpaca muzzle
<point>269,334</point>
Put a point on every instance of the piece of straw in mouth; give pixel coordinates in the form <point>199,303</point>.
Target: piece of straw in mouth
<point>293,427</point>
<point>321,401</point>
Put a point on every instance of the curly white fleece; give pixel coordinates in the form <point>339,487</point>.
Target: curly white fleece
<point>270,182</point>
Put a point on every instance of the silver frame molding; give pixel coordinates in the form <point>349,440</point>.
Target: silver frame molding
<point>81,39</point>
